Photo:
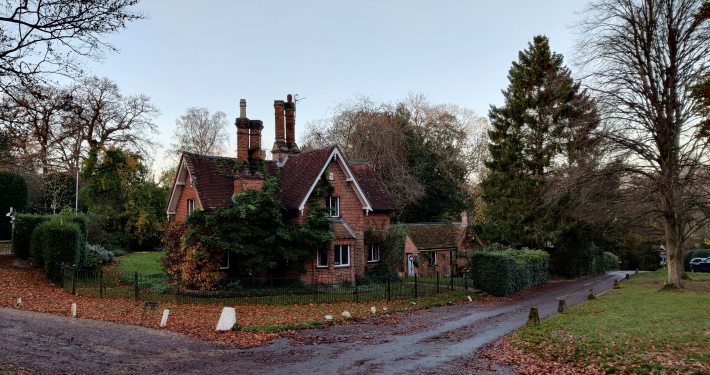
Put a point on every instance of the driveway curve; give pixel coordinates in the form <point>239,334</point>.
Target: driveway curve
<point>437,340</point>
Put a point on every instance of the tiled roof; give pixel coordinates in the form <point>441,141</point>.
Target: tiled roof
<point>372,187</point>
<point>435,235</point>
<point>213,179</point>
<point>341,229</point>
<point>215,186</point>
<point>298,174</point>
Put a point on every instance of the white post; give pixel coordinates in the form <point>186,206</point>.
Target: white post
<point>227,319</point>
<point>164,321</point>
<point>73,310</point>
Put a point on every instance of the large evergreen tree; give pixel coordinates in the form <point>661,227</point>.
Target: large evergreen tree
<point>529,131</point>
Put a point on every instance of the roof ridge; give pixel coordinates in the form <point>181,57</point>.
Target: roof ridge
<point>208,156</point>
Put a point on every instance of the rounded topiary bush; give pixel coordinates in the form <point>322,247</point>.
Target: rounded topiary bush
<point>58,241</point>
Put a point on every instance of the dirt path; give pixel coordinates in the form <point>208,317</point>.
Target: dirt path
<point>440,340</point>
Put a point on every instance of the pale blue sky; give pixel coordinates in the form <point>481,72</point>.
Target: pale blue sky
<point>213,53</point>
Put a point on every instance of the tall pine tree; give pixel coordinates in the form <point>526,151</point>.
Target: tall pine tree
<point>529,131</point>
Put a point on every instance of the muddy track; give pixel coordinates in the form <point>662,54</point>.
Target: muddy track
<point>438,340</point>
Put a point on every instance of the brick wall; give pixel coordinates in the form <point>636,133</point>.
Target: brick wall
<point>188,192</point>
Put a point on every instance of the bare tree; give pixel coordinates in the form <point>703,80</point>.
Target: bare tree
<point>41,38</point>
<point>201,132</point>
<point>639,57</point>
<point>102,117</point>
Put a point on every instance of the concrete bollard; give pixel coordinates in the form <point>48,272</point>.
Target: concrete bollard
<point>227,319</point>
<point>591,295</point>
<point>164,320</point>
<point>73,310</point>
<point>616,284</point>
<point>329,317</point>
<point>19,302</point>
<point>562,307</point>
<point>469,299</point>
<point>533,318</point>
<point>346,314</point>
<point>373,310</point>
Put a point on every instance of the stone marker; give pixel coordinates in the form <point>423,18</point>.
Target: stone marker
<point>616,284</point>
<point>329,317</point>
<point>346,314</point>
<point>73,310</point>
<point>414,303</point>
<point>591,295</point>
<point>562,307</point>
<point>373,310</point>
<point>164,321</point>
<point>637,272</point>
<point>19,302</point>
<point>469,299</point>
<point>227,319</point>
<point>628,276</point>
<point>533,318</point>
<point>384,309</point>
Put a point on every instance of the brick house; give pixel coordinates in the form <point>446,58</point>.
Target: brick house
<point>360,200</point>
<point>437,247</point>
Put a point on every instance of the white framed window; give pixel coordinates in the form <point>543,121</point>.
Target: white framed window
<point>373,253</point>
<point>190,205</point>
<point>224,263</point>
<point>332,206</point>
<point>341,255</point>
<point>322,257</point>
<point>331,177</point>
<point>433,258</point>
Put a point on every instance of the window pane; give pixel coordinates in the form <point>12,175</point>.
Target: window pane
<point>375,252</point>
<point>346,254</point>
<point>323,257</point>
<point>337,255</point>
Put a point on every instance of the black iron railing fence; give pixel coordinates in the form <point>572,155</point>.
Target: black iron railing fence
<point>271,290</point>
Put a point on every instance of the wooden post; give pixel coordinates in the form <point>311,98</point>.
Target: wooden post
<point>591,295</point>
<point>628,276</point>
<point>562,307</point>
<point>61,271</point>
<point>616,284</point>
<point>533,318</point>
<point>101,287</point>
<point>389,286</point>
<point>452,278</point>
<point>357,295</point>
<point>465,280</point>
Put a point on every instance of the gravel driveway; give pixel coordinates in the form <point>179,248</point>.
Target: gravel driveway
<point>438,340</point>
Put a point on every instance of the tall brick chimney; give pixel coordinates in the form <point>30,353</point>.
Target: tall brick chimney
<point>285,118</point>
<point>248,134</point>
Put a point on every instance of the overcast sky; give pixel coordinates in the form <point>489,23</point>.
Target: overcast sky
<point>213,53</point>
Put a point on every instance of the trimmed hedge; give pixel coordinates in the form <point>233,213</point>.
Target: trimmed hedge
<point>689,255</point>
<point>501,273</point>
<point>22,234</point>
<point>58,241</point>
<point>13,190</point>
<point>587,259</point>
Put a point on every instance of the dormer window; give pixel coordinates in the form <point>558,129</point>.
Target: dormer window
<point>332,206</point>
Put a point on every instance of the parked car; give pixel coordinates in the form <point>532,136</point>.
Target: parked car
<point>696,261</point>
<point>703,266</point>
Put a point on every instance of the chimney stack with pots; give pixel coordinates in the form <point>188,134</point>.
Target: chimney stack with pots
<point>285,116</point>
<point>248,134</point>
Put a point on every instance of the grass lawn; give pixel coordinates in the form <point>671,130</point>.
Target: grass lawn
<point>639,329</point>
<point>143,263</point>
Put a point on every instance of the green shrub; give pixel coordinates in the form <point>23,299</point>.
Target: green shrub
<point>99,251</point>
<point>689,255</point>
<point>586,259</point>
<point>501,273</point>
<point>58,241</point>
<point>22,234</point>
<point>13,190</point>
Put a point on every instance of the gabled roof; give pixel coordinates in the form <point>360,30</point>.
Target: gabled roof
<point>341,229</point>
<point>374,189</point>
<point>435,236</point>
<point>213,178</point>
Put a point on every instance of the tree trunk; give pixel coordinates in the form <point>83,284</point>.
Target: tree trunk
<point>674,251</point>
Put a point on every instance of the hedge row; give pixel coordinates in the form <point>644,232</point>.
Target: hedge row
<point>51,239</point>
<point>58,241</point>
<point>586,259</point>
<point>501,273</point>
<point>689,255</point>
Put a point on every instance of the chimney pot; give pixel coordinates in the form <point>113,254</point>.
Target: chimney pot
<point>243,108</point>
<point>289,98</point>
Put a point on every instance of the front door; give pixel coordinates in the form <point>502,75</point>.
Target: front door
<point>410,265</point>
